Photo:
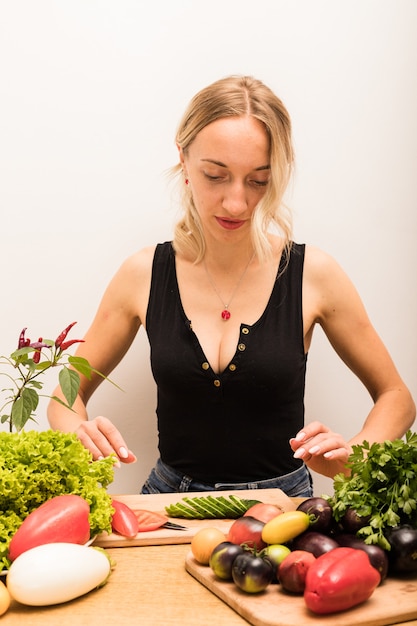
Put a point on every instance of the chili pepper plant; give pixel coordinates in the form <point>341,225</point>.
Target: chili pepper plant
<point>36,466</point>
<point>28,363</point>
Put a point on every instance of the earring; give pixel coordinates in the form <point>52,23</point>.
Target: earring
<point>186,181</point>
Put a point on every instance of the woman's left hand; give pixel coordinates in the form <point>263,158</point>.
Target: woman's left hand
<point>321,449</point>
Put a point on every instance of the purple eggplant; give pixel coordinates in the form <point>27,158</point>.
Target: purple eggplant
<point>351,521</point>
<point>314,542</point>
<point>403,554</point>
<point>321,511</point>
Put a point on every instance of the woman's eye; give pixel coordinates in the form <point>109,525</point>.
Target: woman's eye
<point>212,177</point>
<point>260,183</point>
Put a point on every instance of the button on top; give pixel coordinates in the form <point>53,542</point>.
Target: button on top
<point>205,365</point>
<point>245,331</point>
<point>217,382</point>
<point>232,367</point>
<point>241,347</point>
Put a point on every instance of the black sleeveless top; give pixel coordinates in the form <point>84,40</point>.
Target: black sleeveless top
<point>233,426</point>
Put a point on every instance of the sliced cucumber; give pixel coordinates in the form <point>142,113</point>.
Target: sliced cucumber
<point>210,507</point>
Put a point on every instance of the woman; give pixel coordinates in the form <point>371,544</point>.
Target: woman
<point>229,308</point>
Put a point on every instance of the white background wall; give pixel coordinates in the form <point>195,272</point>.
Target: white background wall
<point>91,92</point>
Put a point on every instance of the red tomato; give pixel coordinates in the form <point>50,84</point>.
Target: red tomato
<point>148,520</point>
<point>292,571</point>
<point>263,511</point>
<point>61,519</point>
<point>247,530</point>
<point>124,520</point>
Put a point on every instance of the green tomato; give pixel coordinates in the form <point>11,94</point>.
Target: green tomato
<point>276,552</point>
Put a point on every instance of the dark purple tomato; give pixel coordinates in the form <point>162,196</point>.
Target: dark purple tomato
<point>403,554</point>
<point>252,573</point>
<point>377,556</point>
<point>222,559</point>
<point>314,542</point>
<point>321,511</point>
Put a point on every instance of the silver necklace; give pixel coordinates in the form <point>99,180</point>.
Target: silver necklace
<point>226,313</point>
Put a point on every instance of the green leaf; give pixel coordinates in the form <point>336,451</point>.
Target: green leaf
<point>84,367</point>
<point>70,383</point>
<point>81,365</point>
<point>23,408</point>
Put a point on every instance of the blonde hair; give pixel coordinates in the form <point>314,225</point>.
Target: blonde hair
<point>228,97</point>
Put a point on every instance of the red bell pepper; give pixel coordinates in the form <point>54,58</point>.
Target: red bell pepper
<point>63,518</point>
<point>339,580</point>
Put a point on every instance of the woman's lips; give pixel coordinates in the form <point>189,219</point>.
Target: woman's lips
<point>230,224</point>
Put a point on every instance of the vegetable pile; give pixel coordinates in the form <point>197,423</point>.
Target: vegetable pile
<point>284,548</point>
<point>37,466</point>
<point>334,551</point>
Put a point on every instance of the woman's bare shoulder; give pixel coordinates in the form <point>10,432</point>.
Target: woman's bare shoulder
<point>139,263</point>
<point>319,266</point>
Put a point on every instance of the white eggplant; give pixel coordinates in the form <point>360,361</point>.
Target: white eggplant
<point>57,572</point>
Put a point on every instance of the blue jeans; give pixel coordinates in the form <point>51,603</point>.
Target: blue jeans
<point>165,479</point>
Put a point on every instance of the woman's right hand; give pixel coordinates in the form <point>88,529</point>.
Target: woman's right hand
<point>102,438</point>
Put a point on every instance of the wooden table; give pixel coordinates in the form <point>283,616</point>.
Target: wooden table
<point>149,586</point>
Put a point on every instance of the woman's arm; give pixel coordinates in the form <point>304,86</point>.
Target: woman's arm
<point>117,321</point>
<point>331,300</point>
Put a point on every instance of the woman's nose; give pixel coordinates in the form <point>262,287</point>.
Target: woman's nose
<point>234,200</point>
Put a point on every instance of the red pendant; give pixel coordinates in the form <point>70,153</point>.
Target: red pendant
<point>225,315</point>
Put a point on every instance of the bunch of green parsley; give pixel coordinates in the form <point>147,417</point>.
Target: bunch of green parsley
<point>36,466</point>
<point>382,485</point>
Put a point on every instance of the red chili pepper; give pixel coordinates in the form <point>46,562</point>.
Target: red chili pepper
<point>339,580</point>
<point>22,341</point>
<point>37,356</point>
<point>67,344</point>
<point>61,336</point>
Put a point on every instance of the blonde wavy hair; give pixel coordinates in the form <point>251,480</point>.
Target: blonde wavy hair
<point>228,97</point>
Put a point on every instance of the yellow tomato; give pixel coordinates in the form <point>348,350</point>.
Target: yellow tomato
<point>4,598</point>
<point>285,527</point>
<point>204,542</point>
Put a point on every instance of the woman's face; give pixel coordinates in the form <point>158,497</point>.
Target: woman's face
<point>228,169</point>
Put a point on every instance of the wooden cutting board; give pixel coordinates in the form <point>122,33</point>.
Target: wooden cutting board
<point>164,536</point>
<point>392,602</point>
